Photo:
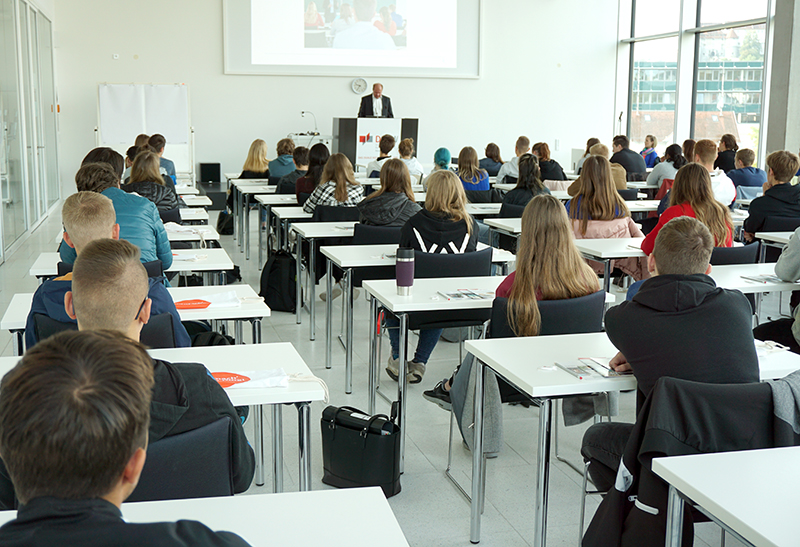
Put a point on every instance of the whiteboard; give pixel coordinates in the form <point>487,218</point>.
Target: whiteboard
<point>127,110</point>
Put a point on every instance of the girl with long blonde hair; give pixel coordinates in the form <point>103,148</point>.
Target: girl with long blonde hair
<point>256,166</point>
<point>691,195</point>
<point>146,180</point>
<point>338,186</point>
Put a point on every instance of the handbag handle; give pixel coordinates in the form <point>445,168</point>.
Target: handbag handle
<point>365,431</point>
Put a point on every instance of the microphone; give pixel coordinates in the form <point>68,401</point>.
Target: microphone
<point>620,116</point>
<point>303,114</point>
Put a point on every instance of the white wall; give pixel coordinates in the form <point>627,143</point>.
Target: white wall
<point>547,72</point>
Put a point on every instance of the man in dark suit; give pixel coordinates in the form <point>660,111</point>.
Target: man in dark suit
<point>627,158</point>
<point>376,105</point>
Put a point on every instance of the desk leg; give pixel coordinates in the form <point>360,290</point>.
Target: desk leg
<point>312,282</point>
<point>261,233</point>
<point>247,227</point>
<point>329,314</point>
<point>543,474</point>
<point>298,285</point>
<point>238,226</point>
<point>19,342</point>
<point>478,461</point>
<point>277,448</point>
<point>674,518</point>
<point>348,364</point>
<point>258,441</point>
<point>238,335</point>
<point>373,354</point>
<point>223,278</point>
<point>235,203</point>
<point>304,426</point>
<point>402,386</point>
<point>607,276</point>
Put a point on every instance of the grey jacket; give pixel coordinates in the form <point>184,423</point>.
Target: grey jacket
<point>387,209</point>
<point>788,269</point>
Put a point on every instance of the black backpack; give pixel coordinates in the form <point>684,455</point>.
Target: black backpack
<point>278,282</point>
<point>225,223</point>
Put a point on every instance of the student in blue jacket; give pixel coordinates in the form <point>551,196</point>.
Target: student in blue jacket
<point>745,174</point>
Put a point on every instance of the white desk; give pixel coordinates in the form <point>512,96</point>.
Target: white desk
<point>606,250</point>
<point>194,234</point>
<point>483,209</point>
<point>781,238</point>
<point>745,202</point>
<point>183,190</point>
<point>509,226</point>
<point>424,297</point>
<point>266,520</point>
<point>642,205</point>
<point>243,193</point>
<point>235,184</point>
<point>252,309</point>
<point>738,216</point>
<point>252,357</point>
<point>506,187</point>
<point>283,216</point>
<point>349,257</point>
<point>197,201</point>
<point>754,493</point>
<point>194,215</point>
<point>311,232</point>
<point>641,185</point>
<point>267,202</point>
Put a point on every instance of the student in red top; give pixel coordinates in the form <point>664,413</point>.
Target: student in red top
<point>549,267</point>
<point>692,196</point>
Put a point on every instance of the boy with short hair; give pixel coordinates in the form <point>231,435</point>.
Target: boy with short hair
<point>745,174</point>
<point>158,142</point>
<point>74,417</point>
<point>282,165</point>
<point>627,158</point>
<point>386,145</point>
<point>511,168</point>
<point>780,199</point>
<point>300,160</point>
<point>705,153</point>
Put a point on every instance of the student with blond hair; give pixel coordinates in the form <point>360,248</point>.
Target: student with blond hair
<point>146,180</point>
<point>705,151</point>
<point>338,186</point>
<point>394,203</point>
<point>511,168</point>
<point>649,153</point>
<point>256,166</point>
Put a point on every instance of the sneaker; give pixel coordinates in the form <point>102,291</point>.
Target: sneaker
<point>439,395</point>
<point>336,292</point>
<point>393,369</point>
<point>415,372</point>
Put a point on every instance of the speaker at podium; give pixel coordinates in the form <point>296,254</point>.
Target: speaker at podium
<point>359,138</point>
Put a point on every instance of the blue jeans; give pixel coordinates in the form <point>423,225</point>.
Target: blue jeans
<point>427,340</point>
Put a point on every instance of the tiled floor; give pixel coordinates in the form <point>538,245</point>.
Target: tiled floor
<point>429,509</point>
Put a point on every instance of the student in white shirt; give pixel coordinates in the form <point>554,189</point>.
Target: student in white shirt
<point>511,168</point>
<point>386,145</point>
<point>705,152</point>
<point>406,149</point>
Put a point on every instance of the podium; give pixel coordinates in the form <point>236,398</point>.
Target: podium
<point>359,138</point>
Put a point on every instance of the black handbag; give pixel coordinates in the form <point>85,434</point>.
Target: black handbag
<point>360,450</point>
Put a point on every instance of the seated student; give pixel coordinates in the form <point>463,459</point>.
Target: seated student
<point>338,186</point>
<point>88,216</point>
<point>780,199</point>
<point>492,162</point>
<point>722,187</point>
<point>130,155</point>
<point>300,159</point>
<point>726,159</point>
<point>106,155</point>
<point>691,196</point>
<point>745,174</point>
<point>284,163</point>
<point>472,176</point>
<point>674,327</point>
<point>649,153</point>
<point>673,160</point>
<point>141,140</point>
<point>386,145</point>
<point>529,183</point>
<point>549,267</point>
<point>632,162</point>
<point>511,168</point>
<point>785,331</point>
<point>443,226</point>
<point>599,212</point>
<point>617,171</point>
<point>441,161</point>
<point>317,158</point>
<point>148,183</point>
<point>256,166</point>
<point>591,142</point>
<point>74,417</point>
<point>550,168</point>
<point>394,203</point>
<point>158,142</point>
<point>406,149</point>
<point>138,218</point>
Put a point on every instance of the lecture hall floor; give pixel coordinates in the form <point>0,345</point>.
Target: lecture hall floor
<point>429,509</point>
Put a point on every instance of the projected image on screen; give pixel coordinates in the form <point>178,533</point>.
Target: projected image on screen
<point>355,33</point>
<point>357,24</point>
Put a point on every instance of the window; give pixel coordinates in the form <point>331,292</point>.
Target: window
<point>655,65</point>
<point>717,12</point>
<point>656,16</point>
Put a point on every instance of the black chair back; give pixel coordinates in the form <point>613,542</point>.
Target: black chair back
<point>286,188</point>
<point>273,180</point>
<point>302,197</point>
<point>509,210</point>
<point>170,215</point>
<point>628,194</point>
<point>569,316</point>
<point>158,333</point>
<point>153,268</point>
<point>510,180</point>
<point>748,254</point>
<point>778,224</point>
<point>484,196</point>
<point>194,464</point>
<point>365,234</point>
<point>333,213</point>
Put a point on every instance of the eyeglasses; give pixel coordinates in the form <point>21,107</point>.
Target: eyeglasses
<point>138,313</point>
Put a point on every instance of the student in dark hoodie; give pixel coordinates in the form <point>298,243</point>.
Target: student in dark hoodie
<point>185,395</point>
<point>284,163</point>
<point>780,198</point>
<point>679,324</point>
<point>87,216</point>
<point>394,203</point>
<point>529,184</point>
<point>443,226</point>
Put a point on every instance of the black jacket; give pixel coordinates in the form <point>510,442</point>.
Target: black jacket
<point>185,397</point>
<point>162,195</point>
<point>365,110</point>
<point>45,522</point>
<point>551,170</point>
<point>490,166</point>
<point>387,209</point>
<point>726,160</point>
<point>521,196</point>
<point>685,327</point>
<point>435,233</point>
<point>782,200</point>
<point>630,160</point>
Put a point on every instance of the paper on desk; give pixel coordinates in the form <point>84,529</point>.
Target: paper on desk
<point>175,228</point>
<point>189,257</point>
<point>250,379</point>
